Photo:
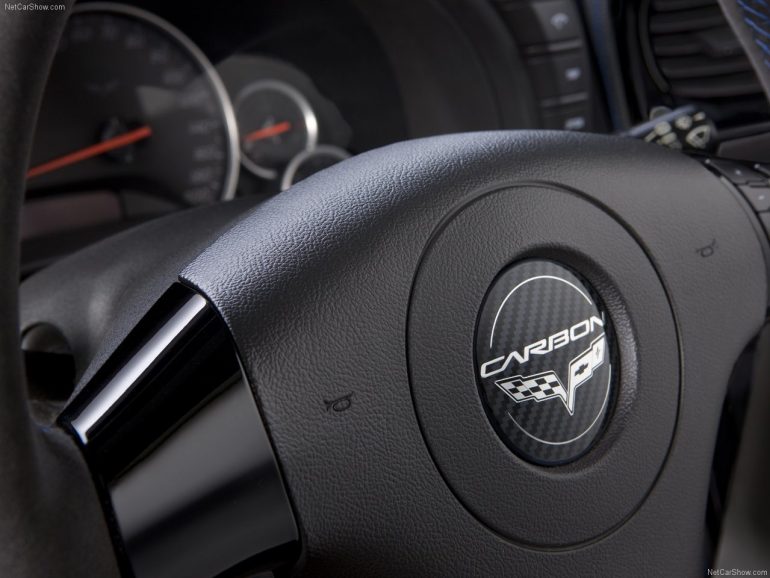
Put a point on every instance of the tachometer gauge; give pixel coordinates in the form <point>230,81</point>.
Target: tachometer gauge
<point>276,123</point>
<point>133,105</point>
<point>310,162</point>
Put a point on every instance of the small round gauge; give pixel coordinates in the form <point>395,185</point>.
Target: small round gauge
<point>276,122</point>
<point>133,105</point>
<point>310,162</point>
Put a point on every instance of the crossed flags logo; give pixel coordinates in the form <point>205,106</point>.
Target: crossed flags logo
<point>547,385</point>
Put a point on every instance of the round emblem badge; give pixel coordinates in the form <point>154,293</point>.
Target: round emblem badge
<point>544,361</point>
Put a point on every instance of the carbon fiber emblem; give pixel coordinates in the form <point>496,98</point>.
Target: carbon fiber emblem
<point>544,361</point>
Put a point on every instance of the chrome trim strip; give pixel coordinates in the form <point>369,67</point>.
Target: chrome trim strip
<point>128,375</point>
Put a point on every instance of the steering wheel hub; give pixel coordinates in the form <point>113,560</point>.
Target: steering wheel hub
<point>533,409</point>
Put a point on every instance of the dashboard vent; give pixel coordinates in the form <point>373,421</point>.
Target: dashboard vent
<point>693,54</point>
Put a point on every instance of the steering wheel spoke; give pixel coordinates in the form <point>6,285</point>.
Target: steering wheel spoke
<point>176,444</point>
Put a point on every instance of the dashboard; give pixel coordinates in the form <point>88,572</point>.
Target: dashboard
<point>155,107</point>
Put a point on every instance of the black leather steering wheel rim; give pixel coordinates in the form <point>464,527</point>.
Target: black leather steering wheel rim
<point>51,514</point>
<point>279,274</point>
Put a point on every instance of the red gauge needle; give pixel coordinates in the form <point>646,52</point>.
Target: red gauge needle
<point>268,131</point>
<point>110,144</point>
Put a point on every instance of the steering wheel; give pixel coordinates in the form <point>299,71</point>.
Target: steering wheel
<point>479,354</point>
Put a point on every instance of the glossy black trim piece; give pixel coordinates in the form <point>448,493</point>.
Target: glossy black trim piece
<point>174,438</point>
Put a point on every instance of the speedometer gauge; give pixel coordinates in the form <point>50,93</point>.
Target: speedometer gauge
<point>133,105</point>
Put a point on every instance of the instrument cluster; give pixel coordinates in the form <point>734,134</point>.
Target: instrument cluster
<point>136,121</point>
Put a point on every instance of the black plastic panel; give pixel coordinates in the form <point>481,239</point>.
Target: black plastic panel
<point>175,440</point>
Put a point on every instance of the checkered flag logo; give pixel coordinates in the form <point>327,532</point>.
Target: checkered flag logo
<point>539,387</point>
<point>546,385</point>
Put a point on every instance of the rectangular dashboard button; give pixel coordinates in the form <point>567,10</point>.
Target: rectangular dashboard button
<point>559,74</point>
<point>542,21</point>
<point>572,117</point>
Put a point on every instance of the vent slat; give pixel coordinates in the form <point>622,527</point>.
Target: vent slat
<point>679,5</point>
<point>737,85</point>
<point>702,67</point>
<point>686,20</point>
<point>715,42</point>
<point>677,46</point>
